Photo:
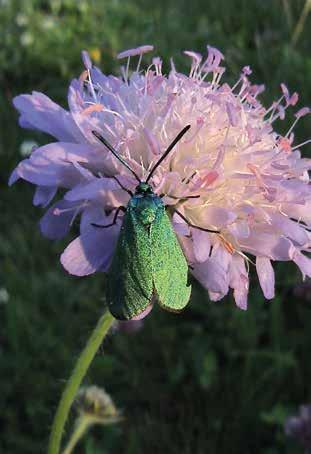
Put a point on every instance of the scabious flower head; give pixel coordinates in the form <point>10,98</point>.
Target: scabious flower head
<point>95,403</point>
<point>299,427</point>
<point>252,181</point>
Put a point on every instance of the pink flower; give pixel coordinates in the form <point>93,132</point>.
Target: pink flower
<point>299,427</point>
<point>252,181</point>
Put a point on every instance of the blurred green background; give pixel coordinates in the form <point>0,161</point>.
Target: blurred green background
<point>211,380</point>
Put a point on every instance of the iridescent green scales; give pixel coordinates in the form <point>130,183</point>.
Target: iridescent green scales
<point>148,261</point>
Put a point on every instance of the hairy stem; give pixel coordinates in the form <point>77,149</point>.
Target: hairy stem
<point>75,380</point>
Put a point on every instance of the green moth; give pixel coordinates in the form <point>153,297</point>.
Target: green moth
<point>148,264</point>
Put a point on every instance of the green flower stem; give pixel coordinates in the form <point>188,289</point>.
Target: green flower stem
<point>301,22</point>
<point>82,425</point>
<point>75,380</point>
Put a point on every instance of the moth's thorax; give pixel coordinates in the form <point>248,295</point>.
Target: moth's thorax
<point>146,205</point>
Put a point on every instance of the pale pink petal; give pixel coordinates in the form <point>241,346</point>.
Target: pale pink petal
<point>212,217</point>
<point>201,245</point>
<point>180,226</point>
<point>55,164</point>
<point>44,195</point>
<point>40,112</point>
<point>290,228</point>
<point>247,70</point>
<point>93,214</point>
<point>239,281</point>
<point>91,251</point>
<point>266,278</point>
<point>215,296</point>
<point>302,112</point>
<point>268,244</point>
<point>187,247</point>
<point>233,114</point>
<point>91,190</point>
<point>212,276</point>
<point>135,51</point>
<point>86,59</point>
<point>213,273</point>
<point>302,261</point>
<point>195,56</point>
<point>56,222</point>
<point>239,229</point>
<point>46,173</point>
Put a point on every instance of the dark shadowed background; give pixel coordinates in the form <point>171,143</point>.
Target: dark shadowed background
<point>211,380</point>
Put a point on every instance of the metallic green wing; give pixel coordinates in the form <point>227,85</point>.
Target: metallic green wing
<point>170,268</point>
<point>129,282</point>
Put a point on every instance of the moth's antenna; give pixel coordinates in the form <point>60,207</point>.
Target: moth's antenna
<point>171,146</point>
<point>113,151</point>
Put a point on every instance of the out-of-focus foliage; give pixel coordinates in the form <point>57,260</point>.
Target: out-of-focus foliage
<point>213,379</point>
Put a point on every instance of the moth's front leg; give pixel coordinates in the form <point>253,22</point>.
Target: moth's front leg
<point>120,208</point>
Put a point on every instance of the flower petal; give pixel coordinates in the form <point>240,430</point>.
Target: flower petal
<point>55,224</point>
<point>302,261</point>
<point>291,229</point>
<point>213,273</point>
<point>266,276</point>
<point>91,190</point>
<point>40,112</point>
<point>239,281</point>
<point>265,243</point>
<point>211,216</point>
<point>92,214</point>
<point>201,245</point>
<point>46,174</point>
<point>44,195</point>
<point>135,51</point>
<point>55,164</point>
<point>91,251</point>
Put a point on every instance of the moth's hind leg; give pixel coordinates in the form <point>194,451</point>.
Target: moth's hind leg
<point>194,226</point>
<point>121,208</point>
<point>181,198</point>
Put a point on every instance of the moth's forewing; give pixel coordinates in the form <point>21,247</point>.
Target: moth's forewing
<point>130,285</point>
<point>170,268</point>
<point>148,261</point>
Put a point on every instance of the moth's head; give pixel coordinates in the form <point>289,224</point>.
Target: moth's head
<point>143,188</point>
